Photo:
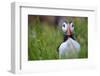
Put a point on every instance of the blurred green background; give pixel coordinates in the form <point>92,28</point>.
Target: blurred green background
<point>44,36</point>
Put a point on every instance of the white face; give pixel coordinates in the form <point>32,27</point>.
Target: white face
<point>71,27</point>
<point>66,26</point>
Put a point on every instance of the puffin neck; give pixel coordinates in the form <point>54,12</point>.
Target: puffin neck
<point>66,37</point>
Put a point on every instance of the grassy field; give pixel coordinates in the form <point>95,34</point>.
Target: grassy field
<point>43,39</point>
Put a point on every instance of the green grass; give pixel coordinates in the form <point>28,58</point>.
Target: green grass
<point>44,39</point>
<point>81,32</point>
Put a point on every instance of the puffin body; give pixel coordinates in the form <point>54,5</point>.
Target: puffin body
<point>69,48</point>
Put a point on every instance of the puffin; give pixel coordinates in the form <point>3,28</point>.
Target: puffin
<point>69,48</point>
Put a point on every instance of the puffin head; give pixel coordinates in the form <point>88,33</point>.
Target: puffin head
<point>68,28</point>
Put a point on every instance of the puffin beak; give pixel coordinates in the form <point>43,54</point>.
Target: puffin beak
<point>68,31</point>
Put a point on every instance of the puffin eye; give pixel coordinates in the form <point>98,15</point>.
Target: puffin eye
<point>72,25</point>
<point>63,25</point>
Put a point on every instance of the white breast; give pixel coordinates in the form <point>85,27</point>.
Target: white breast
<point>69,49</point>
